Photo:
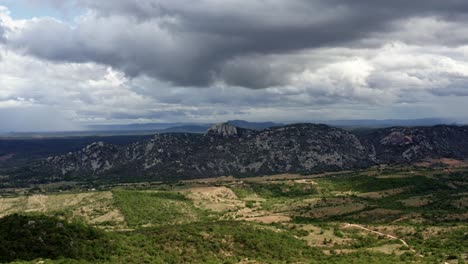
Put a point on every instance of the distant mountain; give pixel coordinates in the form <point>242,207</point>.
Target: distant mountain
<point>179,127</point>
<point>229,150</point>
<point>140,127</point>
<point>185,129</point>
<point>253,125</point>
<point>374,123</point>
<point>134,129</point>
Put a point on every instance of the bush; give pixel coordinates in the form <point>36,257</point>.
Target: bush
<point>31,237</point>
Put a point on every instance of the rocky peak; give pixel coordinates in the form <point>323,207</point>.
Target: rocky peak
<point>224,130</point>
<point>397,138</point>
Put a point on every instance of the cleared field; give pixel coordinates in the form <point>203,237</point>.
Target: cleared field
<point>93,207</point>
<point>219,199</point>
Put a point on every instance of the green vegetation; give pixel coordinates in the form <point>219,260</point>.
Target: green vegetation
<point>275,190</point>
<point>215,242</point>
<point>156,208</point>
<point>241,191</point>
<point>30,237</point>
<point>363,183</point>
<point>449,245</point>
<point>399,215</point>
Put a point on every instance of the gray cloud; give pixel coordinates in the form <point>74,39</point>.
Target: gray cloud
<point>139,61</point>
<point>210,41</point>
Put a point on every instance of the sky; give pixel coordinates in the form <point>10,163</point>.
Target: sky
<point>65,64</point>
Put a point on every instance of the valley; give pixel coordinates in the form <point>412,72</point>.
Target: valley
<point>385,214</point>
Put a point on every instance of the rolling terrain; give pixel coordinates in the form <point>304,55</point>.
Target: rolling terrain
<point>403,214</point>
<point>301,193</point>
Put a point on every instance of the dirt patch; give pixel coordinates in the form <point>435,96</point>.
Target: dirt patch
<point>112,216</point>
<point>98,208</point>
<point>36,203</point>
<point>213,180</point>
<point>451,163</point>
<point>277,177</point>
<point>268,219</point>
<point>11,205</point>
<point>217,199</point>
<point>382,194</point>
<point>93,207</point>
<point>306,181</point>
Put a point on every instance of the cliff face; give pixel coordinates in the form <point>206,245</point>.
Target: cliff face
<point>228,150</point>
<point>223,150</point>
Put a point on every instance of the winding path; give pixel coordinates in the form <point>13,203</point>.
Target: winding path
<point>347,225</point>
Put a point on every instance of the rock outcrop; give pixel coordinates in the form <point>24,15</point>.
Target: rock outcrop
<point>224,130</point>
<point>228,150</point>
<point>223,150</point>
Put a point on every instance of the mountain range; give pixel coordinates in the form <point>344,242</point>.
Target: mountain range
<point>225,149</point>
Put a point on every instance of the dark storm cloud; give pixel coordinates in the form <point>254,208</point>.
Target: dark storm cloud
<point>210,41</point>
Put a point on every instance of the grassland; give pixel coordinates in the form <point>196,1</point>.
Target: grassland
<point>381,215</point>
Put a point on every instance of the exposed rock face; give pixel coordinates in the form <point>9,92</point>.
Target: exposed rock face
<point>397,138</point>
<point>223,150</point>
<point>94,158</point>
<point>223,129</point>
<point>229,150</point>
<point>228,130</point>
<point>405,145</point>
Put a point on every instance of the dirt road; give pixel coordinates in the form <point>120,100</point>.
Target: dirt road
<point>347,225</point>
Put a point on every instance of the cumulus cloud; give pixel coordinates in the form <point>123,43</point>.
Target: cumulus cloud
<point>211,41</point>
<point>165,60</point>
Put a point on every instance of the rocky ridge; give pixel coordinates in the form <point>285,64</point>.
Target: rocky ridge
<point>228,150</point>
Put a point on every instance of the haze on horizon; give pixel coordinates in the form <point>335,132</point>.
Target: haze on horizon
<point>69,63</point>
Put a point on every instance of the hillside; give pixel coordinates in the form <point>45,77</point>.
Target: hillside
<point>398,214</point>
<point>222,150</point>
<point>403,144</point>
<point>228,150</point>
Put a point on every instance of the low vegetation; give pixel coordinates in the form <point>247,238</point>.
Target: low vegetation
<point>30,237</point>
<point>390,215</point>
<point>142,208</point>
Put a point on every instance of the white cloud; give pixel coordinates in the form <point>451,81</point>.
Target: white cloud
<point>115,67</point>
